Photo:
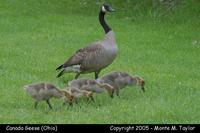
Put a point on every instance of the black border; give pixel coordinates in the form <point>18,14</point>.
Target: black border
<point>102,128</point>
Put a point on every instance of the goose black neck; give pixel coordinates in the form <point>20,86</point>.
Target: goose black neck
<point>103,22</point>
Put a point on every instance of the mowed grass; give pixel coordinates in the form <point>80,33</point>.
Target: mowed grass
<point>34,41</point>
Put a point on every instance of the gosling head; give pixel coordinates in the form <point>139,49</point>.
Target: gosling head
<point>107,87</point>
<point>90,94</point>
<point>107,8</point>
<point>68,95</point>
<point>140,82</point>
<point>135,80</point>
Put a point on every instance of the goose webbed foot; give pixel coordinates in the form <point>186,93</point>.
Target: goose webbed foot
<point>77,75</point>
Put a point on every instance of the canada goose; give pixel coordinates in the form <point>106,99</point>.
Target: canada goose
<point>91,85</point>
<point>97,55</point>
<point>43,92</point>
<point>120,80</point>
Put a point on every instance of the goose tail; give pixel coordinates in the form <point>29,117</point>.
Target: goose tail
<point>58,68</point>
<point>25,87</point>
<point>71,69</point>
<point>61,73</point>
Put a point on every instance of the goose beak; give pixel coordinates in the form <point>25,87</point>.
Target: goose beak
<point>111,10</point>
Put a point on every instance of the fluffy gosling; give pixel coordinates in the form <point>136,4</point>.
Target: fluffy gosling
<point>119,80</point>
<point>73,94</point>
<point>91,85</point>
<point>43,92</point>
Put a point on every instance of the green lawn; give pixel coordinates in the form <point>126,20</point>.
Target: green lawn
<point>36,37</point>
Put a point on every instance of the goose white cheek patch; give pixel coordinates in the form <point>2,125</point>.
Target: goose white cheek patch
<point>103,9</point>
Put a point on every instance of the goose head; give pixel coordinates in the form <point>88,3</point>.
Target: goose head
<point>107,8</point>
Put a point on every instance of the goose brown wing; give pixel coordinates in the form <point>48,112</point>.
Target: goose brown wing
<point>80,54</point>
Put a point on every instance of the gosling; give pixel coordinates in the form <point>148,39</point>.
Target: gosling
<point>77,93</point>
<point>68,97</point>
<point>44,92</point>
<point>119,80</point>
<point>91,85</point>
<point>73,95</point>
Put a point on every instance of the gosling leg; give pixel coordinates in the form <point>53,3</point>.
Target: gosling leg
<point>49,104</point>
<point>97,74</point>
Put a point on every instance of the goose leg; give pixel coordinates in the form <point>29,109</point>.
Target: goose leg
<point>64,103</point>
<point>76,101</point>
<point>117,92</point>
<point>87,99</point>
<point>77,75</point>
<point>92,99</point>
<point>70,104</point>
<point>118,83</point>
<point>97,74</point>
<point>36,103</point>
<point>49,104</point>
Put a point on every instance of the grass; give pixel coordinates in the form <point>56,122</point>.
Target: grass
<point>36,37</point>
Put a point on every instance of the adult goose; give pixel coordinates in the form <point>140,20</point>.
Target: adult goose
<point>97,55</point>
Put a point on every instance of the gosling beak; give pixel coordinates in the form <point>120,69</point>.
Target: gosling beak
<point>111,96</point>
<point>70,103</point>
<point>143,89</point>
